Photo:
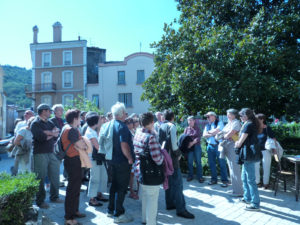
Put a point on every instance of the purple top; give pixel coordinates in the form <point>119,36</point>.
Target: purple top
<point>194,132</point>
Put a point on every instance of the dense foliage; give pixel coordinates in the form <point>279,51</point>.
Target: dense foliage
<point>83,104</point>
<point>233,53</point>
<point>16,197</point>
<point>15,79</point>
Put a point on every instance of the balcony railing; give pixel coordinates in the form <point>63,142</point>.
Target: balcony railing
<point>44,87</point>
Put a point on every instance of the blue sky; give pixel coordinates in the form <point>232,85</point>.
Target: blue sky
<point>116,25</point>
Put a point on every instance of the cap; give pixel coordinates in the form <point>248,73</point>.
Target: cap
<point>43,107</point>
<point>211,114</point>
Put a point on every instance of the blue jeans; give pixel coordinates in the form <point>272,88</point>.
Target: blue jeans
<point>174,195</point>
<point>196,154</point>
<point>250,188</point>
<point>213,154</point>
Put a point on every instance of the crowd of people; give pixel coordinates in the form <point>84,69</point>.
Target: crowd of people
<point>111,150</point>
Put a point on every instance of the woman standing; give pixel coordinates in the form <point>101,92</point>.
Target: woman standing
<point>248,139</point>
<point>71,140</point>
<point>98,175</point>
<point>146,138</point>
<point>230,132</point>
<point>194,133</point>
<point>264,132</point>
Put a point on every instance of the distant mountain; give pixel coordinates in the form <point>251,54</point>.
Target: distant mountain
<point>15,79</point>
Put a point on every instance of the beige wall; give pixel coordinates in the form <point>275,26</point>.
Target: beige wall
<point>56,97</point>
<point>57,74</point>
<point>57,56</point>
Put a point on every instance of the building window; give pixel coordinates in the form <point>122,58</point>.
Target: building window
<point>67,100</point>
<point>46,99</point>
<point>67,79</point>
<point>46,59</point>
<point>126,98</point>
<point>140,76</point>
<point>67,58</point>
<point>95,99</point>
<point>121,77</point>
<point>46,81</point>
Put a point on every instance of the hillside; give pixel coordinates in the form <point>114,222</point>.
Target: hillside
<point>15,79</point>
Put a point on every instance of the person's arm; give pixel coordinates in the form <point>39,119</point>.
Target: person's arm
<point>206,134</point>
<point>126,151</point>
<point>94,143</point>
<point>18,139</point>
<point>241,140</point>
<point>230,134</point>
<point>38,133</point>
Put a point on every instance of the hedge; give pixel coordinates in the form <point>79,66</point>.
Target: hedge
<point>16,197</point>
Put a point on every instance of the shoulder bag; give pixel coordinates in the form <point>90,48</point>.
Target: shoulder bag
<point>152,174</point>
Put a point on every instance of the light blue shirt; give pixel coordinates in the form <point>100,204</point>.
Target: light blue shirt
<point>212,140</point>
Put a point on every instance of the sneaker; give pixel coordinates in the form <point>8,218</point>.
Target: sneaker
<point>186,214</point>
<point>110,214</point>
<point>224,185</point>
<point>189,179</point>
<point>201,180</point>
<point>212,182</point>
<point>124,218</point>
<point>244,201</point>
<point>44,205</point>
<point>252,208</point>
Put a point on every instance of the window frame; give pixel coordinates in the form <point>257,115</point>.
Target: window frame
<point>63,99</point>
<point>97,102</point>
<point>63,78</point>
<point>43,59</point>
<point>125,99</point>
<point>137,77</point>
<point>119,80</point>
<point>50,97</point>
<point>64,58</point>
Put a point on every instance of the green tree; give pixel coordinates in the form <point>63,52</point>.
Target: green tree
<point>229,53</point>
<point>15,79</point>
<point>83,104</point>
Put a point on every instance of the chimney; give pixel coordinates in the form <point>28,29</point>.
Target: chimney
<point>35,34</point>
<point>57,32</point>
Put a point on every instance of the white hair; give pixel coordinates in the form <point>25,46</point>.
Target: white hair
<point>118,110</point>
<point>56,106</point>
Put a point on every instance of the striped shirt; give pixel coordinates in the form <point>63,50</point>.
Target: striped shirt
<point>139,143</point>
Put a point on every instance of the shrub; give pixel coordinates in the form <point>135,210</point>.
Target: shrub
<point>16,196</point>
<point>288,136</point>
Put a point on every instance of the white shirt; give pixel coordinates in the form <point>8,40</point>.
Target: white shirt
<point>90,133</point>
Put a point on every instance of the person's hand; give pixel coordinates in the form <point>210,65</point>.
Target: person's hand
<point>237,144</point>
<point>55,132</point>
<point>130,161</point>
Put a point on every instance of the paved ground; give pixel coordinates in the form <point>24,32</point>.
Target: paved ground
<point>210,204</point>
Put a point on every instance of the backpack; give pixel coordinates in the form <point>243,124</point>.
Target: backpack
<point>164,134</point>
<point>59,151</point>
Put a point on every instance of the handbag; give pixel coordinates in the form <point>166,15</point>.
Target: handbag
<point>152,174</point>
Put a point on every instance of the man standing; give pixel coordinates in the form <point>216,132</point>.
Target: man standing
<point>213,127</point>
<point>159,121</point>
<point>122,159</point>
<point>45,162</point>
<point>174,195</point>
